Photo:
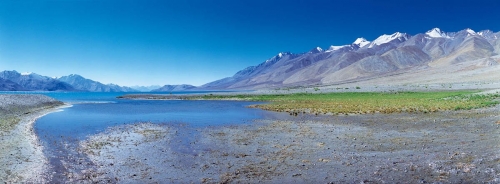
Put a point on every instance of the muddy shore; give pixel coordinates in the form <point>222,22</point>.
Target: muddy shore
<point>21,156</point>
<point>448,147</point>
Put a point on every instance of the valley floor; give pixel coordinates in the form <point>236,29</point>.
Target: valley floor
<point>450,147</point>
<point>445,146</point>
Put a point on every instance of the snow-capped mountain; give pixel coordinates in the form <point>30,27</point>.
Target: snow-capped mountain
<point>358,43</point>
<point>363,59</point>
<point>470,31</point>
<point>397,36</point>
<point>83,84</point>
<point>388,55</point>
<point>361,42</point>
<point>436,33</point>
<point>334,48</point>
<point>316,50</point>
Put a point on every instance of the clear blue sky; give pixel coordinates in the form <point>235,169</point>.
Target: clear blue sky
<point>198,41</point>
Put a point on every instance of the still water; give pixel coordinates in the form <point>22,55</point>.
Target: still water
<point>92,113</point>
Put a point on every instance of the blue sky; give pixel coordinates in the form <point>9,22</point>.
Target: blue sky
<point>199,41</point>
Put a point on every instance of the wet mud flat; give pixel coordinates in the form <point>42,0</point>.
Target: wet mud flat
<point>446,147</point>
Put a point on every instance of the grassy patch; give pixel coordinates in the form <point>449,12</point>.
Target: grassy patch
<point>7,123</point>
<point>98,145</point>
<point>151,133</point>
<point>368,102</point>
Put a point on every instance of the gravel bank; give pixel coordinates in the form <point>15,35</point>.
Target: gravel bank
<point>448,147</point>
<point>21,157</point>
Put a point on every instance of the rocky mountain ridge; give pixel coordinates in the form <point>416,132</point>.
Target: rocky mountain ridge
<point>362,60</point>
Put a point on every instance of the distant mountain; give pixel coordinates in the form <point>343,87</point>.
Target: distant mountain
<point>15,81</point>
<point>83,84</point>
<point>145,88</point>
<point>387,55</point>
<point>182,87</point>
<point>32,82</point>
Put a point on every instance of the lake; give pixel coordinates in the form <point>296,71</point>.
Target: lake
<point>92,113</point>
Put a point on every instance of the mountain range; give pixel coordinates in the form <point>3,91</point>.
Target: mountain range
<point>362,60</point>
<point>83,84</point>
<point>14,81</point>
<point>434,55</point>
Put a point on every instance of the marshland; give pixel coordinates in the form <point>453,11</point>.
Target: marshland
<point>352,102</point>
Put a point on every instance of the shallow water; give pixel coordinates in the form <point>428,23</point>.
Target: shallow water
<point>86,119</point>
<point>92,113</point>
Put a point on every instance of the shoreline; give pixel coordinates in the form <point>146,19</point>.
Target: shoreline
<point>492,88</point>
<point>455,147</point>
<point>22,158</point>
<point>350,103</point>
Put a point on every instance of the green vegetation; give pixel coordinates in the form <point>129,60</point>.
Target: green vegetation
<point>10,113</point>
<point>367,102</point>
<point>98,145</point>
<point>7,123</point>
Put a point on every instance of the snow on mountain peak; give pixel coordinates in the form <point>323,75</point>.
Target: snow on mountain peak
<point>334,48</point>
<point>388,38</point>
<point>277,57</point>
<point>485,32</point>
<point>436,33</point>
<point>488,34</point>
<point>319,49</point>
<point>470,31</point>
<point>281,54</point>
<point>34,75</point>
<point>361,42</point>
<point>316,50</point>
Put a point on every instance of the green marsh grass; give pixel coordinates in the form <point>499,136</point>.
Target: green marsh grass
<point>368,102</point>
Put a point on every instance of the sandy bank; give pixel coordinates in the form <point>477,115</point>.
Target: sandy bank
<point>449,147</point>
<point>21,156</point>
